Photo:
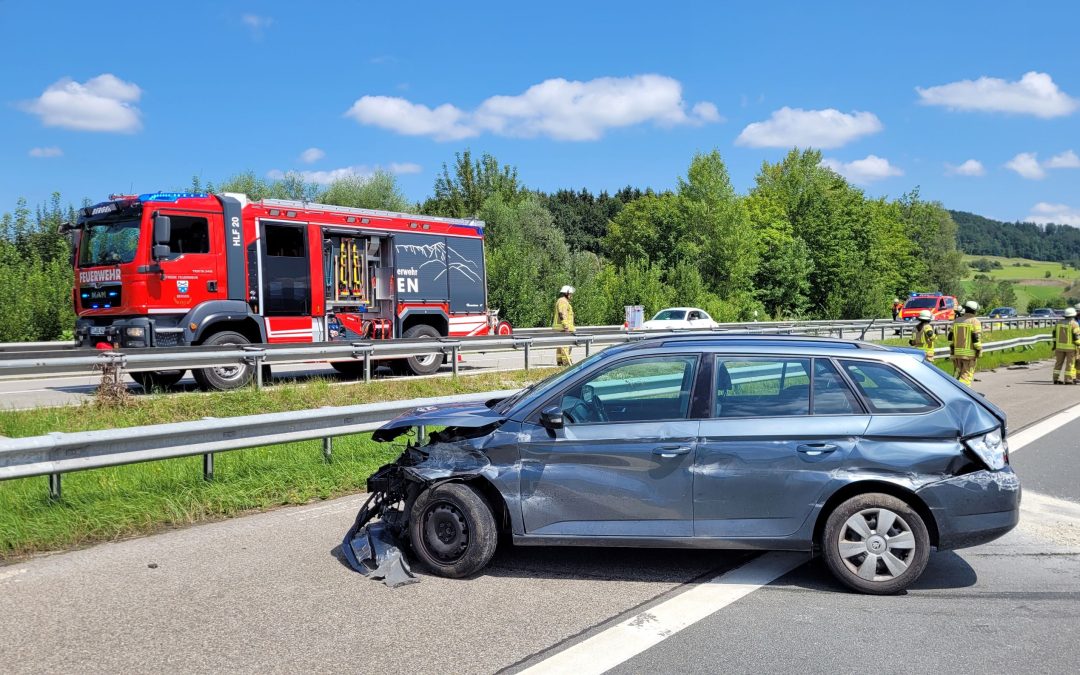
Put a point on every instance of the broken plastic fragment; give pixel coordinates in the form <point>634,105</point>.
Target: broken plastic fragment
<point>374,552</point>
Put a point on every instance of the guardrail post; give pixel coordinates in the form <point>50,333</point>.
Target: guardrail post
<point>258,373</point>
<point>588,348</point>
<point>208,466</point>
<point>54,487</point>
<point>367,366</point>
<point>254,358</point>
<point>454,358</point>
<point>527,355</point>
<point>328,449</point>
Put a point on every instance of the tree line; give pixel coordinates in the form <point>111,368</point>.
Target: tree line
<point>802,243</point>
<point>985,236</point>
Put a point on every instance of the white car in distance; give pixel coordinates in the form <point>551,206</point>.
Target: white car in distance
<point>679,317</point>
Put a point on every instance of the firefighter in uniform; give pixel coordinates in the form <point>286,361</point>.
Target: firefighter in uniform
<point>564,321</point>
<point>923,337</point>
<point>964,344</point>
<point>1066,337</point>
<point>896,307</point>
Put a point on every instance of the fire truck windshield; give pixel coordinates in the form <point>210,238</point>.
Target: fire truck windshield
<point>921,303</point>
<point>109,243</point>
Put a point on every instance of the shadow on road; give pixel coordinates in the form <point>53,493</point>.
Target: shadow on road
<point>945,570</point>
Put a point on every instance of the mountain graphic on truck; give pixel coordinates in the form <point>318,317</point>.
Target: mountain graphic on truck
<point>439,252</point>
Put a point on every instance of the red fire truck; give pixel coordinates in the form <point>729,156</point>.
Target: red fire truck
<point>172,269</point>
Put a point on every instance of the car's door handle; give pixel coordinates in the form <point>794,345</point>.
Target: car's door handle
<point>816,449</point>
<point>671,450</point>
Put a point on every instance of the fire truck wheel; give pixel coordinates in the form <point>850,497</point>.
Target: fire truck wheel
<point>224,378</point>
<point>158,379</point>
<point>504,328</point>
<point>428,363</point>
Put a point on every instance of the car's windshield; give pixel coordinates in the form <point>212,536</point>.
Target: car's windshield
<point>670,315</point>
<point>109,243</point>
<point>507,403</point>
<point>921,303</point>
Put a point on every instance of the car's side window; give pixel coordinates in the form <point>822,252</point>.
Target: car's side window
<point>832,396</point>
<point>761,387</point>
<point>648,389</point>
<point>886,390</point>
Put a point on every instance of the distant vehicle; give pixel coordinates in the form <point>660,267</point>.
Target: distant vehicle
<point>942,307</point>
<point>1042,312</point>
<point>680,317</point>
<point>1003,313</point>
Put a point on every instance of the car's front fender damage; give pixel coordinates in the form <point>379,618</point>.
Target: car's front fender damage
<point>376,549</point>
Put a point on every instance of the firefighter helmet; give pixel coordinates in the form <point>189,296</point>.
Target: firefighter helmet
<point>1070,312</point>
<point>566,289</point>
<point>925,315</point>
<point>971,306</point>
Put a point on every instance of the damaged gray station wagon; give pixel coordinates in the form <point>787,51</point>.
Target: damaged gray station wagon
<point>865,454</point>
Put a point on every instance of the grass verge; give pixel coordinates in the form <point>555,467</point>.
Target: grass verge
<point>120,502</point>
<point>992,360</point>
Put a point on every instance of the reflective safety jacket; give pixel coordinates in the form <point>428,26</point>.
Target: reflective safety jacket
<point>964,336</point>
<point>923,338</point>
<point>564,315</point>
<point>1066,335</point>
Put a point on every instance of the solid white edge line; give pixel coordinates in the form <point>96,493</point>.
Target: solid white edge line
<point>621,642</point>
<point>1036,431</point>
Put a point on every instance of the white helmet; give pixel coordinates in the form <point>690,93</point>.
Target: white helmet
<point>1070,312</point>
<point>925,315</point>
<point>971,306</point>
<point>566,289</point>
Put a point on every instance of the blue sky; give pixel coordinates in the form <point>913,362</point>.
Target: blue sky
<point>978,106</point>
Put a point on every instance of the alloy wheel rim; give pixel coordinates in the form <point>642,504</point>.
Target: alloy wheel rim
<point>876,545</point>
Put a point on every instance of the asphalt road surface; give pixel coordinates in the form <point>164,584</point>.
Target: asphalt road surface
<point>267,593</point>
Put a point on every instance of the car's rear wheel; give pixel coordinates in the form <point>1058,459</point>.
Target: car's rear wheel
<point>452,530</point>
<point>876,543</point>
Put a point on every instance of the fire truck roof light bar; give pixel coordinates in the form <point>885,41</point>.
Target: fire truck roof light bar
<point>293,204</point>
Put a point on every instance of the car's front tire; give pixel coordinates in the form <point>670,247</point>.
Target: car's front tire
<point>875,543</point>
<point>452,530</point>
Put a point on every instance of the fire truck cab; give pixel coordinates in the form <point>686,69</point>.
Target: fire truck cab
<point>178,269</point>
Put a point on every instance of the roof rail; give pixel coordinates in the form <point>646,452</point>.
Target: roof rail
<point>296,204</point>
<point>755,337</point>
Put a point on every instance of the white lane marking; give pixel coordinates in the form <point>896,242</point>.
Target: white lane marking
<point>1040,429</point>
<point>623,641</point>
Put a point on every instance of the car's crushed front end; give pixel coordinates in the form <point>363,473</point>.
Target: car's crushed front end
<point>375,544</point>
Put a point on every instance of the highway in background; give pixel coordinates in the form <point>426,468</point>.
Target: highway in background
<point>267,593</point>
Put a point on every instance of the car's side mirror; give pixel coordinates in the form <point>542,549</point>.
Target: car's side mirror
<point>552,418</point>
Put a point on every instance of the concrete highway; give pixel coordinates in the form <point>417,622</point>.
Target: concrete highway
<point>267,593</point>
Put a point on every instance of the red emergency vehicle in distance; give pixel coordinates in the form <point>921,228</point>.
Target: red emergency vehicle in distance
<point>171,269</point>
<point>943,307</point>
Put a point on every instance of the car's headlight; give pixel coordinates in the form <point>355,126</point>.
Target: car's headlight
<point>991,449</point>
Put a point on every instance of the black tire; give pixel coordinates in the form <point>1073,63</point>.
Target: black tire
<point>452,530</point>
<point>224,378</point>
<point>158,379</point>
<point>906,540</point>
<point>427,363</point>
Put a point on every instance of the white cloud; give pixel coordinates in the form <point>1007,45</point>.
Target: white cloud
<point>257,24</point>
<point>1027,165</point>
<point>312,155</point>
<point>867,170</point>
<point>556,108</point>
<point>971,167</point>
<point>51,151</point>
<point>1033,94</point>
<point>1066,160</point>
<point>102,103</point>
<point>356,171</point>
<point>827,128</point>
<point>1044,212</point>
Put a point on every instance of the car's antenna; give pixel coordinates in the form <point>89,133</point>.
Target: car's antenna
<point>863,334</point>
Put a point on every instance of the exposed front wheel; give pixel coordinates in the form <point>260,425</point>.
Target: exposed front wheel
<point>224,378</point>
<point>452,530</point>
<point>158,379</point>
<point>876,543</point>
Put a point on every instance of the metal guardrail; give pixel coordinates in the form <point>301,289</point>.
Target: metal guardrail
<point>58,453</point>
<point>73,362</point>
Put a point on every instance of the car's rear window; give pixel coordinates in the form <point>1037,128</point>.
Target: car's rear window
<point>886,390</point>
